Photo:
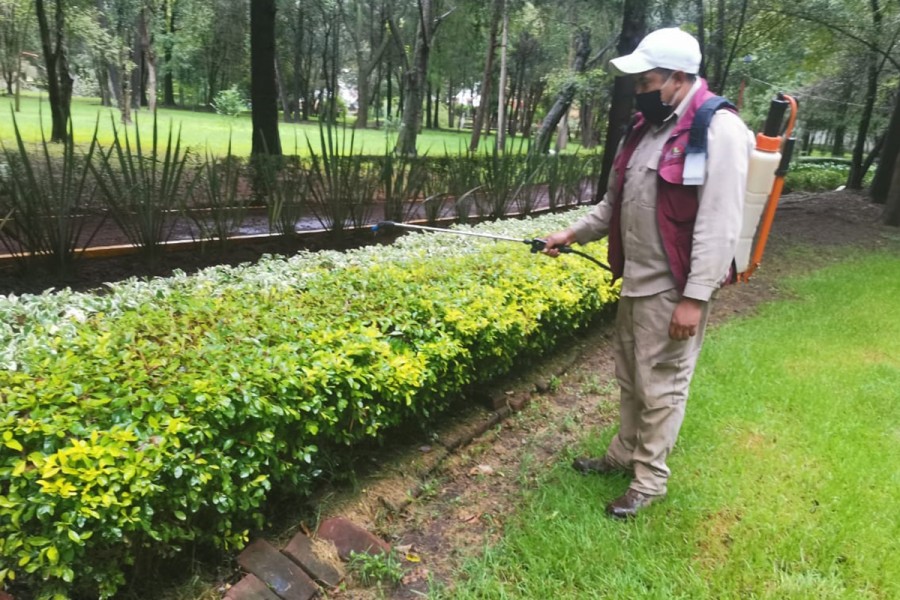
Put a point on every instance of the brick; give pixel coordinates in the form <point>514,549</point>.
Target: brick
<point>248,588</point>
<point>348,537</point>
<point>277,571</point>
<point>300,550</point>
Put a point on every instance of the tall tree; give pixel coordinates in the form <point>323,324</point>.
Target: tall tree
<point>414,77</point>
<point>170,15</point>
<point>634,27</point>
<point>892,200</point>
<point>263,92</point>
<point>501,86</point>
<point>566,94</point>
<point>875,63</point>
<point>484,105</point>
<point>370,40</point>
<point>56,61</point>
<point>15,23</point>
<point>890,151</point>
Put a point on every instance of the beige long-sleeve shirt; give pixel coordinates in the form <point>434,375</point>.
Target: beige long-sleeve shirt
<point>719,214</point>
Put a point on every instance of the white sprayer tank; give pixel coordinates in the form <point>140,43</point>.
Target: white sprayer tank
<point>760,177</point>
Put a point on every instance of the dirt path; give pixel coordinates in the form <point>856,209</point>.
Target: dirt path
<point>442,502</point>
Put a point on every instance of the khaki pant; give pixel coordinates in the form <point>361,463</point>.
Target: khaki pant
<point>654,374</point>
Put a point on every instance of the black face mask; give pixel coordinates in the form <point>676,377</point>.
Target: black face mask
<point>653,108</point>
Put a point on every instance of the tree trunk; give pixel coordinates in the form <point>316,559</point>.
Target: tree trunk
<point>634,26</point>
<point>587,124</point>
<point>59,80</point>
<point>436,120</point>
<point>137,74</point>
<point>389,94</point>
<point>486,79</point>
<point>282,92</point>
<point>169,79</point>
<point>564,99</point>
<point>716,51</point>
<point>854,179</point>
<point>148,54</point>
<point>450,99</point>
<point>892,201</point>
<point>300,103</point>
<point>366,67</point>
<point>262,78</point>
<point>701,36</point>
<point>428,105</point>
<point>840,131</point>
<point>882,182</point>
<point>735,39</point>
<point>414,80</point>
<point>501,85</point>
<point>102,81</point>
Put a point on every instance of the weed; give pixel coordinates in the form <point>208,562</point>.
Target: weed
<point>370,569</point>
<point>554,384</point>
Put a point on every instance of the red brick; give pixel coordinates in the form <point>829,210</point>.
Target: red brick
<point>348,537</point>
<point>277,571</point>
<point>300,550</point>
<point>248,588</point>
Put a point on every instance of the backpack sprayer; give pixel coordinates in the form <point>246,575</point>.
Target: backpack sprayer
<point>768,165</point>
<point>536,244</point>
<point>769,162</point>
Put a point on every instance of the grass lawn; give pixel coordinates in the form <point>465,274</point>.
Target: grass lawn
<point>786,477</point>
<point>201,130</point>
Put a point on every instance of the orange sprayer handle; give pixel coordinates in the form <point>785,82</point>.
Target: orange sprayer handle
<point>765,226</point>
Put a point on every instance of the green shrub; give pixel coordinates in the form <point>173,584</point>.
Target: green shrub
<point>156,417</point>
<point>819,176</point>
<point>230,102</point>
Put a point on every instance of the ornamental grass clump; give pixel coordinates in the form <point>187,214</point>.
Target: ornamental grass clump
<point>342,183</point>
<point>142,190</point>
<point>217,208</point>
<point>153,420</point>
<point>46,202</point>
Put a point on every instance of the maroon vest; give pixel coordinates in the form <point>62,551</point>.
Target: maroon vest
<point>676,207</point>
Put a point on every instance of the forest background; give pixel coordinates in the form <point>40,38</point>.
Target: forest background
<point>536,67</point>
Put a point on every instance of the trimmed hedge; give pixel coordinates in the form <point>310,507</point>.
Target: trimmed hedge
<point>139,422</point>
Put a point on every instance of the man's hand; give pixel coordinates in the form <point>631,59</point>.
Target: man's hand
<point>559,238</point>
<point>685,319</point>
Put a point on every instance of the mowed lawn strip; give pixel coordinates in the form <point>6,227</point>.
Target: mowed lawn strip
<point>202,130</point>
<point>786,476</point>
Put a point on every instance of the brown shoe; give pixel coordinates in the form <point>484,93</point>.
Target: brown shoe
<point>603,466</point>
<point>630,503</point>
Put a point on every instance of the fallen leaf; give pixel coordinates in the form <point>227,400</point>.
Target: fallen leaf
<point>481,470</point>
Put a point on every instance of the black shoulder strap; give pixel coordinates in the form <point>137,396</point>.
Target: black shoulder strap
<point>695,153</point>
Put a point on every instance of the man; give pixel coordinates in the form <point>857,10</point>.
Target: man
<point>672,244</point>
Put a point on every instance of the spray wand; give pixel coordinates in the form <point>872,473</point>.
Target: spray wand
<point>536,244</point>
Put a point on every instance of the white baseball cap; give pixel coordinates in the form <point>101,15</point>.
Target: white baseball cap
<point>669,48</point>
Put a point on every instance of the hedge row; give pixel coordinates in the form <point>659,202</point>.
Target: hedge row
<point>156,416</point>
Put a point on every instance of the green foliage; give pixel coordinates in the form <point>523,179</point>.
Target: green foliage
<point>230,102</point>
<point>156,417</point>
<point>819,176</point>
<point>383,568</point>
